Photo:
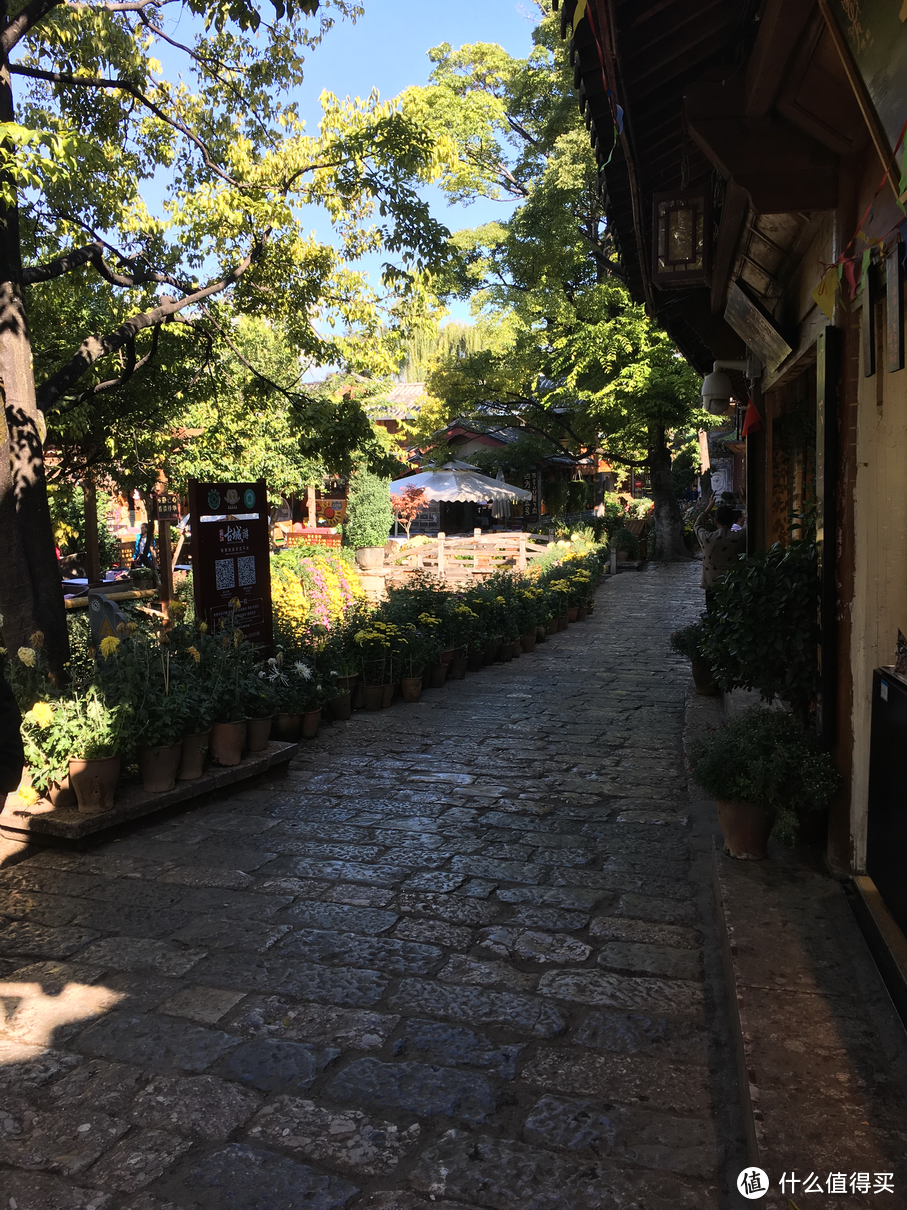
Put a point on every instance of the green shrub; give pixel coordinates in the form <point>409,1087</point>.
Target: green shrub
<point>369,512</point>
<point>624,540</point>
<point>688,641</point>
<point>769,757</point>
<point>761,629</point>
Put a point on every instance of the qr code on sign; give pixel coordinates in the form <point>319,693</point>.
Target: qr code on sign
<point>246,566</point>
<point>225,573</point>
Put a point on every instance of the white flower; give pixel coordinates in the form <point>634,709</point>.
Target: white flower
<point>273,662</point>
<point>304,670</point>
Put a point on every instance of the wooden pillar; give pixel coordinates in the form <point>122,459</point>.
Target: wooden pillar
<point>826,525</point>
<point>312,520</point>
<point>521,557</point>
<point>92,549</point>
<point>441,537</point>
<point>166,568</point>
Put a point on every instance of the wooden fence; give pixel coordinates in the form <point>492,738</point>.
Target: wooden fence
<point>471,558</point>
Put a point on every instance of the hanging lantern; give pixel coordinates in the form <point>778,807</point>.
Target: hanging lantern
<point>681,227</point>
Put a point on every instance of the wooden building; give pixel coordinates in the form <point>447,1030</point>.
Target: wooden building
<point>753,161</point>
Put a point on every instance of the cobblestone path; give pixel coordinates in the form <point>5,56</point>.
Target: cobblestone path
<point>454,960</point>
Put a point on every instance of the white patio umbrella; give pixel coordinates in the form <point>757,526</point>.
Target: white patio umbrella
<point>500,509</point>
<point>452,484</point>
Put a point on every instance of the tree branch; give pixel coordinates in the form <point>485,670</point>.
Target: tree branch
<point>90,254</point>
<point>94,347</point>
<point>30,16</point>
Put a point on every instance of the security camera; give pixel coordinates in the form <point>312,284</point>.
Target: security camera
<point>716,387</point>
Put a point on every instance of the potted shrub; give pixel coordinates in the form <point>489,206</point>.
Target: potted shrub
<point>233,657</point>
<point>89,732</point>
<point>626,545</point>
<point>196,659</point>
<point>369,517</point>
<point>767,771</point>
<point>688,642</point>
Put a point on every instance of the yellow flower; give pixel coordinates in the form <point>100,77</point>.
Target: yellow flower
<point>27,656</point>
<point>123,628</point>
<point>177,610</point>
<point>237,637</point>
<point>132,627</point>
<point>203,627</point>
<point>109,645</point>
<point>37,639</point>
<point>28,795</point>
<point>42,713</point>
<point>195,653</point>
<point>235,602</point>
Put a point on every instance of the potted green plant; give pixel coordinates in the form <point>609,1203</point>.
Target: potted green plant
<point>626,545</point>
<point>688,642</point>
<point>83,735</point>
<point>369,517</point>
<point>767,771</point>
<point>233,657</point>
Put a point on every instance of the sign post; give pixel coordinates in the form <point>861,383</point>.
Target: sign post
<point>230,557</point>
<point>167,509</point>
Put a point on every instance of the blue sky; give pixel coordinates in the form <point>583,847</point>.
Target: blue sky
<point>387,49</point>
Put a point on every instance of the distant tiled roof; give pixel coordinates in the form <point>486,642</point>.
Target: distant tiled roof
<point>404,402</point>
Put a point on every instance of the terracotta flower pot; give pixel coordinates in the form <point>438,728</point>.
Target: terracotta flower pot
<point>746,827</point>
<point>388,695</point>
<point>527,641</point>
<point>474,661</point>
<point>341,706</point>
<point>491,651</point>
<point>411,688</point>
<point>359,695</point>
<point>446,656</point>
<point>258,731</point>
<point>193,752</point>
<point>457,668</point>
<point>346,683</point>
<point>287,727</point>
<point>581,613</point>
<point>590,606</point>
<point>60,795</point>
<point>372,696</point>
<point>438,676</point>
<point>541,633</point>
<point>227,743</point>
<point>505,653</point>
<point>563,620</point>
<point>703,680</point>
<point>95,783</point>
<point>159,766</point>
<point>311,720</point>
<point>572,613</point>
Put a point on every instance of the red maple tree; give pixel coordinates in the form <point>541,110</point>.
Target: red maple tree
<point>407,506</point>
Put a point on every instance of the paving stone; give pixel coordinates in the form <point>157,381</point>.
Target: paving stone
<point>307,980</point>
<point>347,1140</point>
<point>665,911</point>
<point>654,817</point>
<point>207,876</point>
<point>684,1145</point>
<point>640,1033</point>
<point>29,1014</point>
<point>420,1088</point>
<point>38,908</point>
<point>504,1175</point>
<point>155,1043</point>
<point>139,1160</point>
<point>386,954</point>
<point>532,946</point>
<point>341,871</point>
<point>190,1105</point>
<point>629,1080</point>
<point>67,1140</point>
<point>250,1178</point>
<point>141,993</point>
<point>340,917</point>
<point>141,953</point>
<point>403,1199</point>
<point>546,917</point>
<point>212,932</point>
<point>203,1004</point>
<point>649,960</point>
<point>237,905</point>
<point>521,1013</point>
<point>107,1087</point>
<point>620,928</point>
<point>36,1191</point>
<point>579,898</point>
<point>561,855</point>
<point>24,1067</point>
<point>435,880</point>
<point>437,932</point>
<point>319,1024</point>
<point>457,1046</point>
<point>498,869</point>
<point>452,908</point>
<point>146,1201</point>
<point>21,938</point>
<point>460,969</point>
<point>275,1065</point>
<point>360,896</point>
<point>321,851</point>
<point>107,918</point>
<point>624,991</point>
<point>477,888</point>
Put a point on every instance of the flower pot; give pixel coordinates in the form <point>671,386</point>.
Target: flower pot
<point>438,676</point>
<point>474,661</point>
<point>411,688</point>
<point>95,783</point>
<point>527,641</point>
<point>227,743</point>
<point>563,620</point>
<point>370,557</point>
<point>446,656</point>
<point>193,751</point>
<point>703,680</point>
<point>541,633</point>
<point>341,706</point>
<point>310,722</point>
<point>372,696</point>
<point>490,653</point>
<point>388,695</point>
<point>257,732</point>
<point>287,727</point>
<point>572,613</point>
<point>457,668</point>
<point>505,653</point>
<point>590,605</point>
<point>359,695</point>
<point>347,683</point>
<point>60,795</point>
<point>622,556</point>
<point>159,766</point>
<point>581,613</point>
<point>746,827</point>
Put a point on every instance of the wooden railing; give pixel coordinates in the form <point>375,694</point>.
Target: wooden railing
<point>467,558</point>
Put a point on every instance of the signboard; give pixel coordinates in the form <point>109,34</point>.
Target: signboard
<point>755,327</point>
<point>104,617</point>
<point>875,33</point>
<point>168,508</point>
<point>230,557</point>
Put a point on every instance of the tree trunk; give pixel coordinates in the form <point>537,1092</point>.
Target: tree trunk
<point>31,593</point>
<point>669,545</point>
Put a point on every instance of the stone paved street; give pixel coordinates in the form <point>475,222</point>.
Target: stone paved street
<point>461,957</point>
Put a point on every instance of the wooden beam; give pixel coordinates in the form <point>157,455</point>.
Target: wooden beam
<point>781,26</point>
<point>733,218</point>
